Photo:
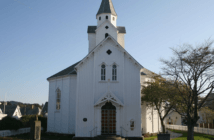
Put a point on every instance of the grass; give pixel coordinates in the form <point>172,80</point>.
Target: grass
<point>150,138</point>
<point>197,136</point>
<point>44,137</point>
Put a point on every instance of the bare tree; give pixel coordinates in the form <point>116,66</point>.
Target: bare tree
<point>192,70</point>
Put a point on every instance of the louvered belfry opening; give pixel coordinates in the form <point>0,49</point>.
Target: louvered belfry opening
<point>108,120</point>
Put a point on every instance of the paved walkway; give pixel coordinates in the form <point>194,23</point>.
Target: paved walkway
<point>174,135</point>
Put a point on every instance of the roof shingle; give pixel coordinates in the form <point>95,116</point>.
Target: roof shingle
<point>107,7</point>
<point>9,109</point>
<point>68,71</point>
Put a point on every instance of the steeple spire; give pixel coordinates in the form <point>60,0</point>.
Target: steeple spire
<point>107,7</point>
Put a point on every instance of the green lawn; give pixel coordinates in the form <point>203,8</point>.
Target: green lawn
<point>197,136</point>
<point>150,138</point>
<point>44,137</point>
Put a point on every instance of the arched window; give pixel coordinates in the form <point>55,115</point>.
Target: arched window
<point>114,73</point>
<point>113,18</point>
<point>58,98</point>
<point>106,35</point>
<point>99,18</point>
<point>103,72</point>
<point>106,17</point>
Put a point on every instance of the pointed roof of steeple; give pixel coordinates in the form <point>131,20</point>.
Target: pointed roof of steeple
<point>107,7</point>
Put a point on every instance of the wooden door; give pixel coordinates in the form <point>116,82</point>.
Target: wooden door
<point>108,120</point>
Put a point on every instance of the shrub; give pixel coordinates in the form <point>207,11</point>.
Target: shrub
<point>27,120</point>
<point>9,123</point>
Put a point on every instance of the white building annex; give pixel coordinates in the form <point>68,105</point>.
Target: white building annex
<point>101,94</point>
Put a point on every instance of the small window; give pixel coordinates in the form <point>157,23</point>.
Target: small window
<point>106,35</point>
<point>132,124</point>
<point>114,73</point>
<point>113,18</point>
<point>103,72</point>
<point>106,17</point>
<point>99,18</point>
<point>106,27</point>
<point>58,99</point>
<point>109,52</point>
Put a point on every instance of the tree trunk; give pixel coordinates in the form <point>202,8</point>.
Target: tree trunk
<point>163,126</point>
<point>190,132</point>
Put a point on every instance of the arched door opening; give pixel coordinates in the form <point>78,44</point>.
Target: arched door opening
<point>108,119</point>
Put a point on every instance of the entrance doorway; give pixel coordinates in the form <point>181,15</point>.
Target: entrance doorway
<point>108,119</point>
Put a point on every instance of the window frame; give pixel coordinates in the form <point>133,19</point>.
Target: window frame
<point>58,99</point>
<point>114,72</point>
<point>103,72</point>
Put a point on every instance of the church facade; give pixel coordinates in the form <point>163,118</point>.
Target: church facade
<point>101,94</point>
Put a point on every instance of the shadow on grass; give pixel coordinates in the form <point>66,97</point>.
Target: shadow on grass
<point>197,136</point>
<point>44,136</point>
<point>150,138</point>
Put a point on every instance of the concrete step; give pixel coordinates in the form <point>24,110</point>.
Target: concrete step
<point>109,138</point>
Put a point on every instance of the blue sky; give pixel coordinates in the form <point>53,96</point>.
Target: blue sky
<point>39,38</point>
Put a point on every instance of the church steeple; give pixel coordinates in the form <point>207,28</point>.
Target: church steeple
<point>106,26</point>
<point>106,12</point>
<point>107,8</point>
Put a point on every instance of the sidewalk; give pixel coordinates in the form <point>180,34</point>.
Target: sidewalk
<point>174,135</point>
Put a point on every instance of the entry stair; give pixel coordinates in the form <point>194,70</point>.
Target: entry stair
<point>109,138</point>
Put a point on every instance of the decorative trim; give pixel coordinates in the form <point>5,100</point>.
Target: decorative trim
<point>103,63</point>
<point>121,48</point>
<point>108,97</point>
<point>114,63</point>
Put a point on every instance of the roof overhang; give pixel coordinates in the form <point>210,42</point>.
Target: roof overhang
<point>100,45</point>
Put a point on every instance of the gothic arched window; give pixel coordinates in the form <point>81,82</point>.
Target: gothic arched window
<point>106,17</point>
<point>114,73</point>
<point>103,72</point>
<point>58,98</point>
<point>106,35</point>
<point>99,18</point>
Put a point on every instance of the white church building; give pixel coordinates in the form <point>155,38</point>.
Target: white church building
<point>101,94</point>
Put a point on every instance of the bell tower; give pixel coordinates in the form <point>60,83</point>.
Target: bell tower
<point>106,26</point>
<point>106,12</point>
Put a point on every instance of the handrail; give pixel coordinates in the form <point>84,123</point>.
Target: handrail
<point>95,134</point>
<point>122,132</point>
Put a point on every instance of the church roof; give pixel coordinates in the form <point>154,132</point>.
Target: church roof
<point>92,29</point>
<point>147,72</point>
<point>107,7</point>
<point>68,71</point>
